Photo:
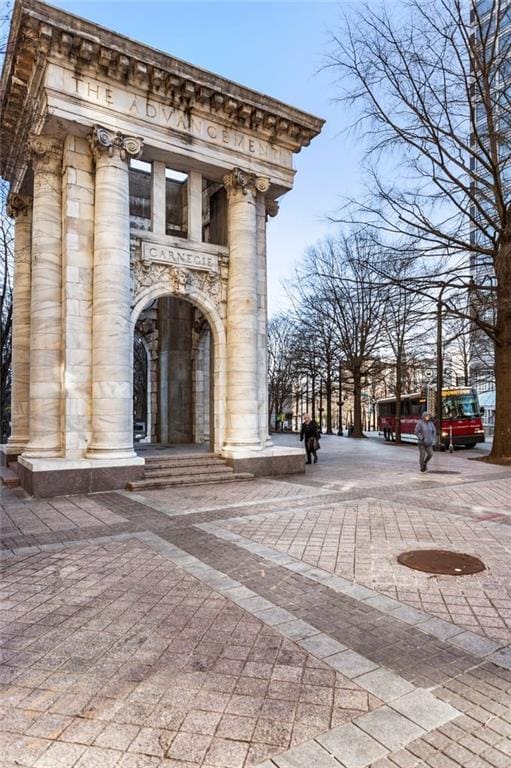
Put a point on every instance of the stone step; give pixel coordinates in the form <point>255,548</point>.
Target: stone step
<point>8,477</point>
<point>173,463</point>
<point>192,469</point>
<point>179,480</point>
<point>180,457</point>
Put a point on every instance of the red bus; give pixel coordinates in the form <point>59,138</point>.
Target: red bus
<point>461,416</point>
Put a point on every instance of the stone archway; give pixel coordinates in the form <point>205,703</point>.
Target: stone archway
<point>203,303</point>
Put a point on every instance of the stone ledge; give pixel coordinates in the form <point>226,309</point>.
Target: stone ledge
<point>45,477</point>
<point>9,453</point>
<point>267,462</point>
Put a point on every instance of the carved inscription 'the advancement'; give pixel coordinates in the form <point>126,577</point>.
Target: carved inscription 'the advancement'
<point>179,257</point>
<point>163,115</point>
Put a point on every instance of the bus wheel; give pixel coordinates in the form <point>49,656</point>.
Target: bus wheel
<point>470,445</point>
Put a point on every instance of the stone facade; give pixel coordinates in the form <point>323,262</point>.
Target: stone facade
<point>80,105</point>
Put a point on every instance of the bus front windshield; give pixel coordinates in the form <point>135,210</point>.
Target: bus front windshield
<point>460,407</point>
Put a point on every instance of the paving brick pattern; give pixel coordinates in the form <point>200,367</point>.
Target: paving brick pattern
<point>111,649</point>
<point>360,541</point>
<point>135,637</point>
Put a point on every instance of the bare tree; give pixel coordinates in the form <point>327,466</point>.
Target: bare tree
<point>282,355</point>
<point>6,256</point>
<point>458,345</point>
<point>316,354</point>
<point>431,86</point>
<point>6,253</point>
<point>336,283</point>
<point>403,320</point>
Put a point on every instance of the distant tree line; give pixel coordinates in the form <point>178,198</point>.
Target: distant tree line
<point>428,87</point>
<point>353,331</point>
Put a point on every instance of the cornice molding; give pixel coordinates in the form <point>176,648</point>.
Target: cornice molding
<point>41,34</point>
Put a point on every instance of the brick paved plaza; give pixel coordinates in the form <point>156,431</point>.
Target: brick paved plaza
<point>263,623</point>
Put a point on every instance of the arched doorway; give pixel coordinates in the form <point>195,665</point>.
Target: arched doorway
<point>173,382</point>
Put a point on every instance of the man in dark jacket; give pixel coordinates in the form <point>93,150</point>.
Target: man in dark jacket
<point>426,436</point>
<point>310,432</point>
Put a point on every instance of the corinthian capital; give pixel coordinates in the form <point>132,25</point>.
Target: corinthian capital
<point>239,181</point>
<point>104,142</point>
<point>16,204</point>
<point>45,154</point>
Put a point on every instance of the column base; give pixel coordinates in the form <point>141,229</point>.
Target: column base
<point>61,477</point>
<point>240,445</point>
<point>42,453</point>
<point>109,453</point>
<point>266,461</point>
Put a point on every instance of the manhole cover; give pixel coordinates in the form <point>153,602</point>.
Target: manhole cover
<point>441,561</point>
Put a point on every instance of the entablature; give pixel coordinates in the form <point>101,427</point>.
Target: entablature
<point>42,35</point>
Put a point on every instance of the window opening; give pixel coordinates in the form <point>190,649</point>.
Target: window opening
<point>140,185</point>
<point>176,203</point>
<point>214,213</point>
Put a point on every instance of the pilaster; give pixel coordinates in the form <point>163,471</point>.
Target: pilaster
<point>195,206</point>
<point>264,208</point>
<point>77,269</point>
<point>20,208</point>
<point>158,198</point>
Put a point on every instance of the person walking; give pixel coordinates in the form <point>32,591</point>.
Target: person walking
<point>426,436</point>
<point>310,433</point>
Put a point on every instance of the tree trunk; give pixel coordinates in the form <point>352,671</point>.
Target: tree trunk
<point>502,435</point>
<point>357,403</point>
<point>399,374</point>
<point>328,387</point>
<point>313,396</point>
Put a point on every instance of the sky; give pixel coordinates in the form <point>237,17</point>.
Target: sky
<point>280,49</point>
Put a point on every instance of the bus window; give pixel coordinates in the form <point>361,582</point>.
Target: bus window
<point>460,407</point>
<point>414,406</point>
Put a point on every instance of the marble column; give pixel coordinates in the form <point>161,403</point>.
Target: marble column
<point>112,354</point>
<point>46,300</point>
<point>20,207</point>
<point>242,418</point>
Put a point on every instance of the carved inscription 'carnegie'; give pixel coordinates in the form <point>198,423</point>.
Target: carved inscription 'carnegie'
<point>179,257</point>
